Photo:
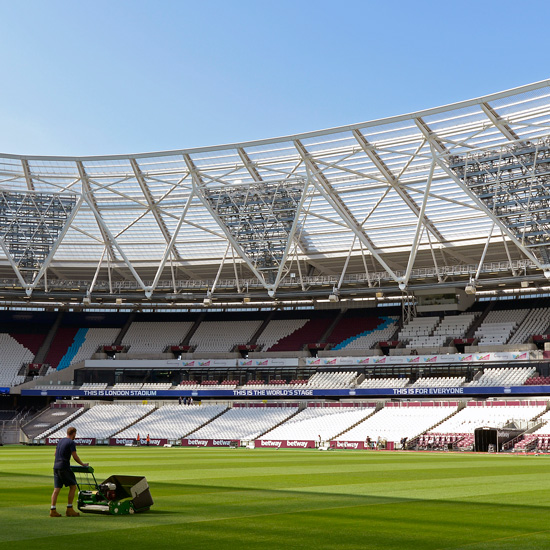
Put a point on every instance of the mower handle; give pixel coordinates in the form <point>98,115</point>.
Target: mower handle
<point>82,469</point>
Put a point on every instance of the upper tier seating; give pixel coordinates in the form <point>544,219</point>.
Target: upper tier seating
<point>103,421</point>
<point>439,382</point>
<point>499,325</point>
<point>86,342</point>
<point>224,385</point>
<point>384,383</point>
<point>222,336</point>
<point>173,421</point>
<point>94,386</point>
<point>313,422</point>
<point>153,337</point>
<point>243,423</point>
<point>95,337</point>
<point>497,376</point>
<point>128,386</point>
<point>278,329</point>
<point>394,423</point>
<point>62,341</point>
<point>418,332</point>
<point>455,326</point>
<point>362,332</point>
<point>428,332</point>
<point>538,381</point>
<point>537,321</point>
<point>157,386</point>
<point>310,333</point>
<point>327,380</point>
<point>13,356</point>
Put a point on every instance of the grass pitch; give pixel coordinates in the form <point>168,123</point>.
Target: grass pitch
<point>263,498</point>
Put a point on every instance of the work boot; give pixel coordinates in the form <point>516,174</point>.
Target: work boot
<point>71,513</point>
<point>54,513</point>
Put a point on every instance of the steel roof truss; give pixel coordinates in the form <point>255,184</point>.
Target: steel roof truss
<point>325,188</point>
<point>197,178</point>
<point>498,122</point>
<point>169,250</point>
<point>442,159</point>
<point>55,246</point>
<point>109,238</point>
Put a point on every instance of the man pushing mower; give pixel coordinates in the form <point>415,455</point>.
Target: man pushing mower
<point>62,473</point>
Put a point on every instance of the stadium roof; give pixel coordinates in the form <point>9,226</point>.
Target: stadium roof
<point>357,210</point>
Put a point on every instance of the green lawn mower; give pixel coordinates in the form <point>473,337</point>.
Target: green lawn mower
<point>117,495</point>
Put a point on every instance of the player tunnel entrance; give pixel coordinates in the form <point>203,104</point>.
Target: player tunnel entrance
<point>485,439</point>
<point>488,440</point>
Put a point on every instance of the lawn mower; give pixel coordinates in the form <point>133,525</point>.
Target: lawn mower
<point>117,495</point>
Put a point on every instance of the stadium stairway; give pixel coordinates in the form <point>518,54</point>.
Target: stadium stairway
<point>205,423</point>
<point>479,320</point>
<point>66,421</point>
<point>42,352</point>
<point>193,329</point>
<point>124,329</point>
<point>413,440</point>
<point>531,430</point>
<point>298,410</point>
<point>135,422</point>
<point>261,328</point>
<point>328,332</point>
<point>370,413</point>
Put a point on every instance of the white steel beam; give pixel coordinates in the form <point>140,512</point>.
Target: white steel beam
<point>494,117</point>
<point>419,226</point>
<point>109,239</point>
<point>330,195</point>
<point>28,175</point>
<point>199,184</point>
<point>154,209</point>
<point>169,248</point>
<point>440,155</point>
<point>55,246</point>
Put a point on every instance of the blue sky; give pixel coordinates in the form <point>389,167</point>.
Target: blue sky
<point>109,77</point>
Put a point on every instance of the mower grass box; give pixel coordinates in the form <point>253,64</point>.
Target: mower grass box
<point>117,495</point>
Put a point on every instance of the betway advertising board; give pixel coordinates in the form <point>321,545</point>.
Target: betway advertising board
<point>78,440</point>
<point>347,444</point>
<point>118,441</point>
<point>284,444</point>
<point>198,442</point>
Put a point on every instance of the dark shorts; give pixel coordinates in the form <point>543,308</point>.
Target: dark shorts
<point>63,478</point>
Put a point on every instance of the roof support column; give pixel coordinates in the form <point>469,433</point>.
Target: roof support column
<point>419,229</point>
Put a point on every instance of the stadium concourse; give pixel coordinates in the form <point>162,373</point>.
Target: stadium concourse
<point>378,285</point>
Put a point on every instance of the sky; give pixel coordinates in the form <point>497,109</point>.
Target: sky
<point>122,77</point>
